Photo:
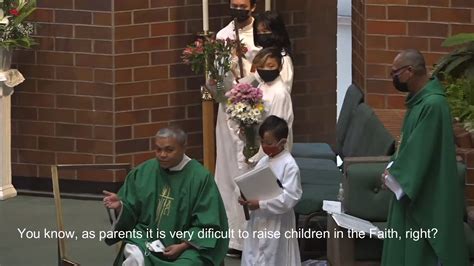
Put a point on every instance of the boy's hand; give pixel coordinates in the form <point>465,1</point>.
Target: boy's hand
<point>251,204</point>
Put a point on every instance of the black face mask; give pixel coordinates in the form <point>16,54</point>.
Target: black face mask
<point>268,75</point>
<point>401,86</point>
<point>240,14</point>
<point>265,40</point>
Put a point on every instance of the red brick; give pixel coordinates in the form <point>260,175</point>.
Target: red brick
<point>103,132</point>
<point>25,142</point>
<point>73,73</point>
<point>36,157</point>
<point>429,2</point>
<point>124,159</point>
<point>150,101</point>
<point>55,58</point>
<point>131,89</point>
<point>103,104</point>
<point>150,15</point>
<point>74,102</point>
<point>29,85</point>
<point>75,131</point>
<point>55,144</point>
<point>35,128</point>
<point>186,12</point>
<point>376,12</point>
<point>470,159</point>
<point>150,73</point>
<point>185,98</point>
<point>166,3</point>
<point>123,18</point>
<point>432,58</point>
<point>386,27</point>
<point>386,2</point>
<point>120,5</point>
<point>380,86</point>
<point>94,146</point>
<point>427,29</point>
<point>169,28</point>
<point>407,13</point>
<point>42,15</point>
<point>396,102</point>
<point>141,157</point>
<point>103,47</point>
<point>24,113</point>
<point>456,29</point>
<point>167,85</point>
<point>377,71</point>
<point>147,130</point>
<point>55,115</point>
<point>470,176</point>
<point>95,175</point>
<point>100,61</point>
<point>376,42</point>
<point>72,17</point>
<point>123,75</point>
<point>195,111</point>
<point>93,32</point>
<point>54,30</point>
<point>132,32</point>
<point>132,117</point>
<point>74,158</point>
<point>401,43</point>
<point>103,75</point>
<point>123,132</point>
<point>451,15</point>
<point>123,47</point>
<point>103,159</point>
<point>93,5</point>
<point>44,43</point>
<point>38,100</point>
<point>26,170</point>
<point>94,117</point>
<point>132,60</point>
<point>380,57</point>
<point>182,70</point>
<point>150,44</point>
<point>462,3</point>
<point>180,42</point>
<point>189,125</point>
<point>55,86</point>
<point>63,4</point>
<point>167,114</point>
<point>132,146</point>
<point>123,104</point>
<point>73,45</point>
<point>94,89</point>
<point>435,45</point>
<point>103,19</point>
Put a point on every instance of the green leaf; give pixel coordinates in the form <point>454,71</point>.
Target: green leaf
<point>458,39</point>
<point>455,63</point>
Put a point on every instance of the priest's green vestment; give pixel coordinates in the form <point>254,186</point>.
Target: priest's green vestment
<point>169,201</point>
<point>425,167</point>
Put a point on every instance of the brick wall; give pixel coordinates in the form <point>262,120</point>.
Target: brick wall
<point>107,74</point>
<point>381,28</point>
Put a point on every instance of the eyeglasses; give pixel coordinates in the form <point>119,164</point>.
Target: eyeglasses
<point>394,72</point>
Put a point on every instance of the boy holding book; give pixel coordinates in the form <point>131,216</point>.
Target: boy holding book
<point>276,214</point>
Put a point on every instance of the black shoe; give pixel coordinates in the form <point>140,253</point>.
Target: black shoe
<point>234,253</point>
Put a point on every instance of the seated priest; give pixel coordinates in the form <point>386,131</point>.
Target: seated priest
<point>167,208</point>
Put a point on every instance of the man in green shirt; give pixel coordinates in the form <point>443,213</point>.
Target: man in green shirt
<point>170,198</point>
<point>427,208</point>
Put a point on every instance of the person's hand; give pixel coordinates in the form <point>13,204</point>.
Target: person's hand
<point>172,252</point>
<point>111,200</point>
<point>251,204</point>
<point>382,179</point>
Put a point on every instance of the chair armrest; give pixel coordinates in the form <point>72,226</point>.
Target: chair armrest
<point>368,159</point>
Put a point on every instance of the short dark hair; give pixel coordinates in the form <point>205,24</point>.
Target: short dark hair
<point>276,125</point>
<point>252,2</point>
<point>274,22</point>
<point>415,59</point>
<point>265,53</point>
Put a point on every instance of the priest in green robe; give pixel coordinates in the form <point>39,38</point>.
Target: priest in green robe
<point>170,198</point>
<point>427,207</point>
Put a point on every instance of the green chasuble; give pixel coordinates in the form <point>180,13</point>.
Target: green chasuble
<point>171,201</point>
<point>425,167</point>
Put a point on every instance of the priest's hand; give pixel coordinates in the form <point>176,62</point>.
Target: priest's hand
<point>111,200</point>
<point>172,252</point>
<point>382,179</point>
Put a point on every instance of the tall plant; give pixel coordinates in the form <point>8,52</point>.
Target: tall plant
<point>460,62</point>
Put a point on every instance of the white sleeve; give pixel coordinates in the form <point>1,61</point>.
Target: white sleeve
<point>287,72</point>
<point>291,193</point>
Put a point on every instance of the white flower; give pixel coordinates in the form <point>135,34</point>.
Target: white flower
<point>3,20</point>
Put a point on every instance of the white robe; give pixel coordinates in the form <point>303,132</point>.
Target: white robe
<point>230,162</point>
<point>275,215</point>
<point>227,141</point>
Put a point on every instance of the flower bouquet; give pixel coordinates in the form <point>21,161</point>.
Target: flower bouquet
<point>15,31</point>
<point>213,56</point>
<point>245,106</point>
